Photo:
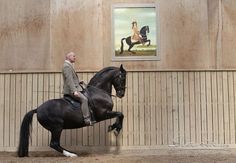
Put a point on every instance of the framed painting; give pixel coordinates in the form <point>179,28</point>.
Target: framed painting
<point>135,32</point>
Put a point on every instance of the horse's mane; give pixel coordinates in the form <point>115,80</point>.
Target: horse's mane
<point>99,75</point>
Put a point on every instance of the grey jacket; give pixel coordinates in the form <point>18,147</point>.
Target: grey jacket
<point>71,79</point>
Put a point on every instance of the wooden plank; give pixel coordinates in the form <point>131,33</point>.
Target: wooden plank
<point>125,107</point>
<point>140,114</point>
<point>220,107</point>
<point>158,108</point>
<point>234,98</point>
<point>7,110</point>
<point>153,108</point>
<point>164,115</point>
<point>181,107</point>
<point>231,107</point>
<point>198,108</point>
<point>147,110</point>
<point>192,110</point>
<point>209,108</point>
<point>215,112</point>
<point>186,99</point>
<point>169,108</point>
<point>18,102</point>
<point>12,100</point>
<point>2,105</point>
<point>132,95</point>
<point>175,108</point>
<point>203,107</point>
<point>226,108</point>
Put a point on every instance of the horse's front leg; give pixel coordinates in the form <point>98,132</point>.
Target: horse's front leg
<point>119,121</point>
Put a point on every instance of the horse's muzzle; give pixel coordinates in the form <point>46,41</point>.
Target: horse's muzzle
<point>120,93</point>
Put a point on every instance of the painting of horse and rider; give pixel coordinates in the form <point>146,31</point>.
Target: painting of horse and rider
<point>135,32</point>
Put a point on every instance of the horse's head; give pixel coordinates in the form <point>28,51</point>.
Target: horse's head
<point>144,30</point>
<point>119,82</point>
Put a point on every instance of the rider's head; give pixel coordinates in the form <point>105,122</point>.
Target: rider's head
<point>134,23</point>
<point>71,57</point>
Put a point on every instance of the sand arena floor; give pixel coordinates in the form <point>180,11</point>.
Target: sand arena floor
<point>134,156</point>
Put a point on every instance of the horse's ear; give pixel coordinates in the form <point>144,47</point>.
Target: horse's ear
<point>121,68</point>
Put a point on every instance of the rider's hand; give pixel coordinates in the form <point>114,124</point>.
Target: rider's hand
<point>76,94</point>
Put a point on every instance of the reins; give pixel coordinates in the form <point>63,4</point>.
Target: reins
<point>86,85</point>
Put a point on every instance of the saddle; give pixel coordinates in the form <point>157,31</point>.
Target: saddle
<point>75,105</point>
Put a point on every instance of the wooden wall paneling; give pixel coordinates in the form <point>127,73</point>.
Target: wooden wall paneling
<point>192,110</point>
<point>186,107</point>
<point>7,110</point>
<point>203,107</point>
<point>125,108</point>
<point>132,91</point>
<point>139,129</point>
<point>153,109</point>
<point>234,90</point>
<point>226,108</point>
<point>175,108</point>
<point>158,108</point>
<point>18,101</point>
<point>2,110</point>
<point>198,108</point>
<point>215,112</point>
<point>164,115</point>
<point>169,107</point>
<point>220,107</point>
<point>181,119</point>
<point>209,108</point>
<point>12,108</point>
<point>147,109</point>
<point>138,107</point>
<point>12,99</point>
<point>231,108</point>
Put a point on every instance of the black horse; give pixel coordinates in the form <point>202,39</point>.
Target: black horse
<point>57,114</point>
<point>144,30</point>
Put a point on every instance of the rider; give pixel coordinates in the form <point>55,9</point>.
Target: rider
<point>72,87</point>
<point>136,36</point>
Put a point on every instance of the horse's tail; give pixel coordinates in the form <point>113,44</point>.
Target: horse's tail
<point>122,45</point>
<point>25,133</point>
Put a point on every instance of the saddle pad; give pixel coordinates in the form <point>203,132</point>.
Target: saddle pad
<point>74,104</point>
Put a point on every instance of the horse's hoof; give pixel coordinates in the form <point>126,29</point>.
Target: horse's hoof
<point>69,154</point>
<point>110,128</point>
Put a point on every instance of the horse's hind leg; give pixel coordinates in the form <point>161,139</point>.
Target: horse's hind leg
<point>55,143</point>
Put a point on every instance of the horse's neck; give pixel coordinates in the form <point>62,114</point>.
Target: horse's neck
<point>103,82</point>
